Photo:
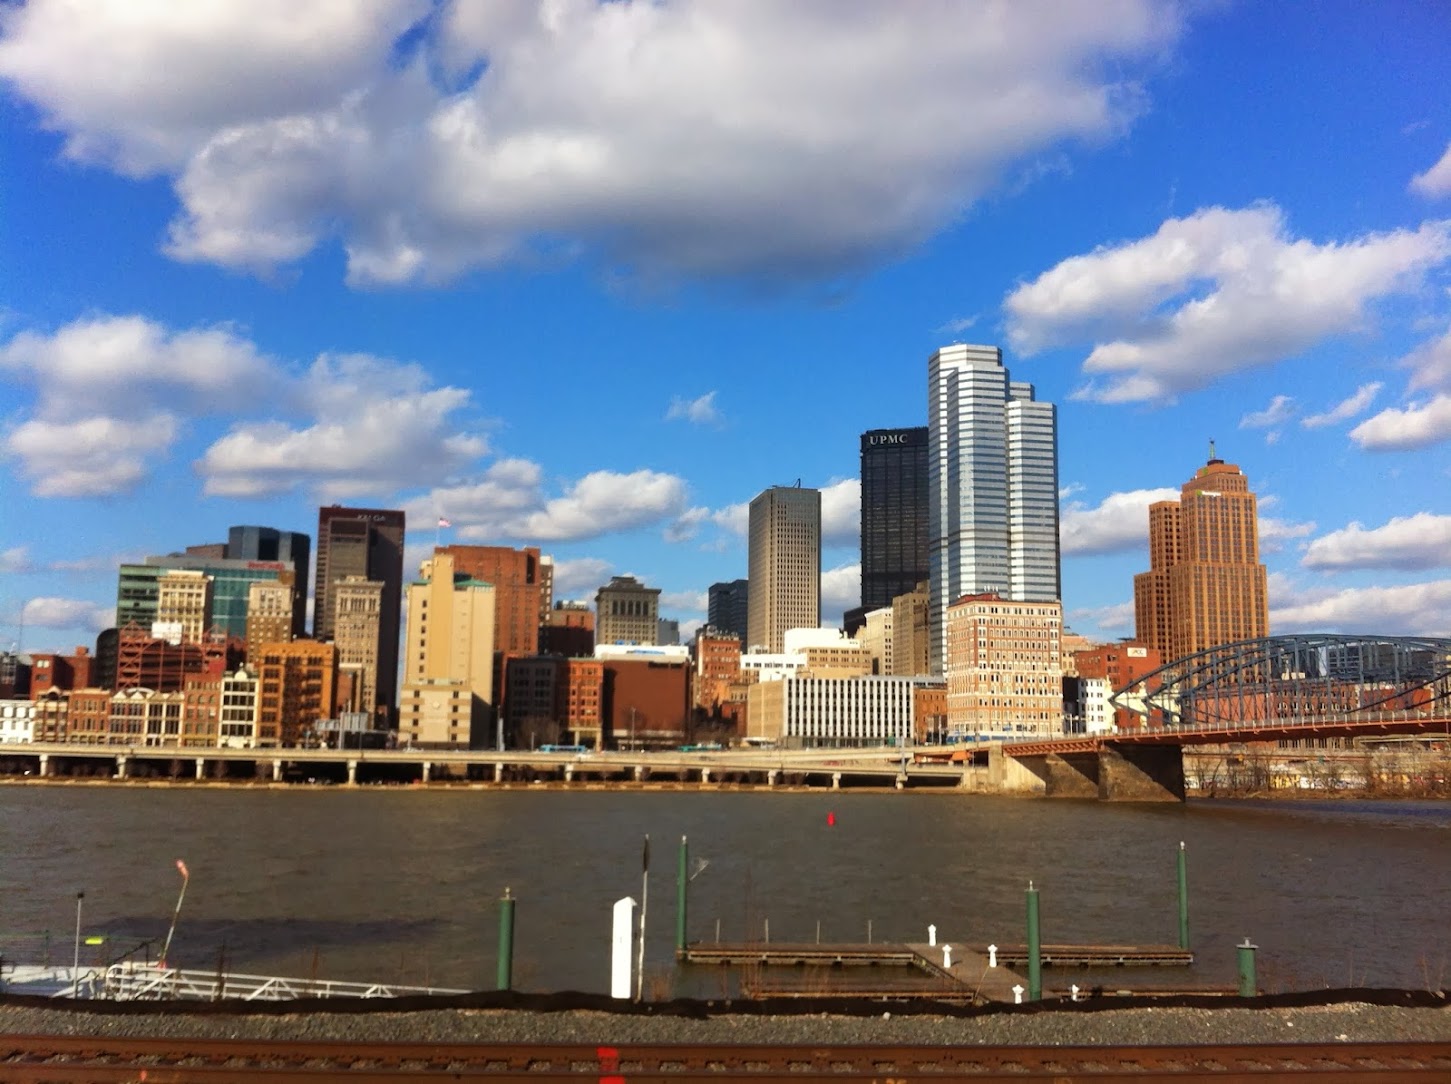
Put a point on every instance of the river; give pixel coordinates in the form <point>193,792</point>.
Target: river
<point>400,884</point>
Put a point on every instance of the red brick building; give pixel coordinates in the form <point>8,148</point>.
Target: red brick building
<point>61,672</point>
<point>646,702</point>
<point>1120,664</point>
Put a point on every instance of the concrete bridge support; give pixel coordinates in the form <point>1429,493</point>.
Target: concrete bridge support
<point>44,769</point>
<point>1010,775</point>
<point>704,776</point>
<point>771,777</point>
<point>569,773</point>
<point>201,767</point>
<point>427,771</point>
<point>498,773</point>
<point>121,761</point>
<point>1141,773</point>
<point>353,773</point>
<point>836,781</point>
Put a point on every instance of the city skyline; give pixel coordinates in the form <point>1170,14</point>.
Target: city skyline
<point>598,317</point>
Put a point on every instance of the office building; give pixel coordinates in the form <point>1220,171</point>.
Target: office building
<point>1004,668</point>
<point>1205,585</point>
<point>827,712</point>
<point>785,564</point>
<point>911,633</point>
<point>728,608</point>
<point>523,582</point>
<point>268,544</point>
<point>569,630</point>
<point>895,513</point>
<point>645,701</point>
<point>448,682</point>
<point>138,589</point>
<point>357,632</point>
<point>992,470</point>
<point>296,689</point>
<point>366,542</point>
<point>183,606</point>
<point>626,612</point>
<point>271,611</point>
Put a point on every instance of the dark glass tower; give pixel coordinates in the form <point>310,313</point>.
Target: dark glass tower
<point>894,514</point>
<point>270,544</point>
<point>730,607</point>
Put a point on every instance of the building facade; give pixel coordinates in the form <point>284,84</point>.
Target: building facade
<point>728,609</point>
<point>911,633</point>
<point>287,547</point>
<point>829,712</point>
<point>358,634</point>
<point>785,564</point>
<point>366,542</point>
<point>992,486</point>
<point>1205,585</point>
<point>523,583</point>
<point>627,612</point>
<point>895,513</point>
<point>645,702</point>
<point>1004,668</point>
<point>271,611</point>
<point>448,685</point>
<point>569,630</point>
<point>296,687</point>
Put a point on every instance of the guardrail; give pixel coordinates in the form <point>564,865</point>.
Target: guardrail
<point>144,982</point>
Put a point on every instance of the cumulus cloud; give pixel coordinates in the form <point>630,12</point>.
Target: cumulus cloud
<point>1418,609</point>
<point>1212,294</point>
<point>1346,409</point>
<point>701,411</point>
<point>685,139</point>
<point>841,513</point>
<point>689,601</point>
<point>90,457</point>
<point>374,426</point>
<point>580,577</point>
<point>1407,543</point>
<point>1436,181</point>
<point>1118,617</point>
<point>841,590</point>
<point>1281,408</point>
<point>1430,365</point>
<point>508,501</point>
<point>1417,426</point>
<point>1275,533</point>
<point>67,613</point>
<point>16,559</point>
<point>1119,522</point>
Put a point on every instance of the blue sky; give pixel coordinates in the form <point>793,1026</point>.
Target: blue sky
<point>591,276</point>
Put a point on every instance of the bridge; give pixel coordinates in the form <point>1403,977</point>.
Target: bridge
<point>1265,690</point>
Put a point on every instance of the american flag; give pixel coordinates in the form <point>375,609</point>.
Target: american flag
<point>443,522</point>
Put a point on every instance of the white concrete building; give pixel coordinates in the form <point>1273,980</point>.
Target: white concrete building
<point>17,721</point>
<point>237,723</point>
<point>828,712</point>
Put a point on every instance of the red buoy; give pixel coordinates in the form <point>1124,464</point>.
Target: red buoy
<point>831,818</point>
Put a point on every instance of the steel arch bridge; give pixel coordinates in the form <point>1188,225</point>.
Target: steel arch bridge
<point>1326,684</point>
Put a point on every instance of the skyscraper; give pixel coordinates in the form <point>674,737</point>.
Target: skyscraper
<point>729,607</point>
<point>1205,585</point>
<point>895,513</point>
<point>992,469</point>
<point>366,542</point>
<point>785,564</point>
<point>270,544</point>
<point>627,612</point>
<point>448,691</point>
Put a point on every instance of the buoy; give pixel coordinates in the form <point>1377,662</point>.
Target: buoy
<point>831,818</point>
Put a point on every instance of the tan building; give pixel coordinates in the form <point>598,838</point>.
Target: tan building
<point>357,632</point>
<point>910,640</point>
<point>784,543</point>
<point>296,686</point>
<point>183,605</point>
<point>270,603</point>
<point>716,657</point>
<point>146,717</point>
<point>828,712</point>
<point>448,674</point>
<point>1004,667</point>
<point>1205,585</point>
<point>875,637</point>
<point>627,612</point>
<point>1073,643</point>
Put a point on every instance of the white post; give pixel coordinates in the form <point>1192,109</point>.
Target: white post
<point>621,944</point>
<point>992,956</point>
<point>1018,994</point>
<point>644,903</point>
<point>932,935</point>
<point>1073,992</point>
<point>947,957</point>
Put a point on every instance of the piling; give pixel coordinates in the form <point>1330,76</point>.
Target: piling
<point>1183,900</point>
<point>682,879</point>
<point>1035,948</point>
<point>506,942</point>
<point>1248,987</point>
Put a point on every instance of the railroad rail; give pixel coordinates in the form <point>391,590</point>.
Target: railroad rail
<point>43,1059</point>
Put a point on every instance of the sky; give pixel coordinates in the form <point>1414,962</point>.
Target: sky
<point>589,276</point>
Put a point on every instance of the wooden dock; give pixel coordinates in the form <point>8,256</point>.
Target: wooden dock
<point>1085,956</point>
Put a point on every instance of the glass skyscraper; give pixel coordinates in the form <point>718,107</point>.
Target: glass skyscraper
<point>992,470</point>
<point>894,514</point>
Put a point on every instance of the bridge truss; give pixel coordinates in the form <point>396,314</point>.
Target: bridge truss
<point>1316,679</point>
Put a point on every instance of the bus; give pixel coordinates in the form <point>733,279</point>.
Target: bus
<point>564,748</point>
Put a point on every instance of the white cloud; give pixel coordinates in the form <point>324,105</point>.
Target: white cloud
<point>958,326</point>
<point>682,139</point>
<point>841,590</point>
<point>1436,181</point>
<point>1281,408</point>
<point>1417,426</point>
<point>1430,365</point>
<point>67,613</point>
<point>580,577</point>
<point>701,411</point>
<point>689,601</point>
<point>1346,409</point>
<point>1274,533</point>
<point>89,457</point>
<point>16,559</point>
<point>1119,522</point>
<point>1118,617</point>
<point>841,513</point>
<point>376,426</point>
<point>1418,609</point>
<point>1212,294</point>
<point>1407,543</point>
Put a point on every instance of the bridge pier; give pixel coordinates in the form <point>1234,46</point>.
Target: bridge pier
<point>704,776</point>
<point>201,768</point>
<point>44,769</point>
<point>277,770</point>
<point>1141,773</point>
<point>121,759</point>
<point>569,773</point>
<point>498,772</point>
<point>836,781</point>
<point>352,773</point>
<point>1071,775</point>
<point>771,777</point>
<point>639,773</point>
<point>427,771</point>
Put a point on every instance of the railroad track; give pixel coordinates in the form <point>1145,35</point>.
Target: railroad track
<point>35,1059</point>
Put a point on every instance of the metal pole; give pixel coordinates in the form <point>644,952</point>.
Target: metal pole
<point>1183,899</point>
<point>1035,948</point>
<point>185,879</point>
<point>644,903</point>
<point>1247,985</point>
<point>682,878</point>
<point>506,942</point>
<point>76,959</point>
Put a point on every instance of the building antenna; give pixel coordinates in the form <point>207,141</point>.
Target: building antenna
<point>1211,450</point>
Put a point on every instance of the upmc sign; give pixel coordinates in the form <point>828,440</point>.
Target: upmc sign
<point>879,438</point>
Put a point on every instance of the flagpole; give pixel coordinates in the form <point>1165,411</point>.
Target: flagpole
<point>644,903</point>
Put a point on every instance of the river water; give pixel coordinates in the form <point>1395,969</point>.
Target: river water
<point>400,885</point>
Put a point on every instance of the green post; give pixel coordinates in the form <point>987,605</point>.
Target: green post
<point>1183,900</point>
<point>682,879</point>
<point>1247,985</point>
<point>506,941</point>
<point>1035,948</point>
